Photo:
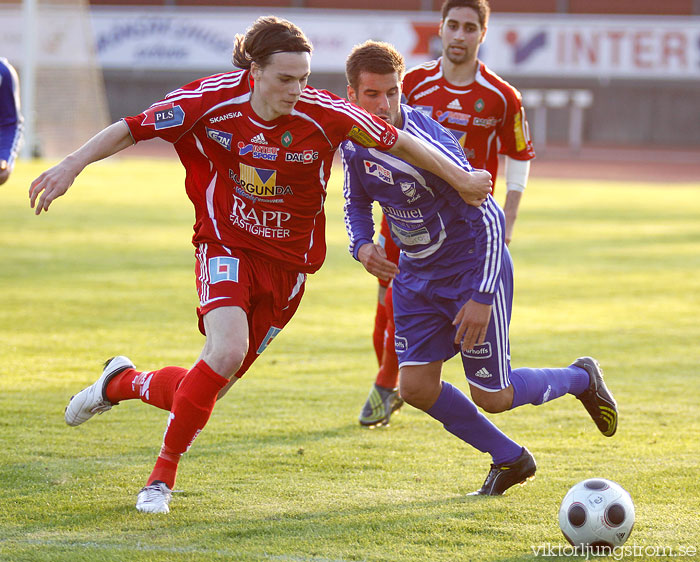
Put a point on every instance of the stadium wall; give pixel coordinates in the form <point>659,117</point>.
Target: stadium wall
<point>640,73</point>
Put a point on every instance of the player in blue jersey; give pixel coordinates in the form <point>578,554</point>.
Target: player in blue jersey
<point>10,119</point>
<point>453,286</point>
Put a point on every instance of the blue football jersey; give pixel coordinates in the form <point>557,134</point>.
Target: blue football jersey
<point>438,233</point>
<point>10,117</point>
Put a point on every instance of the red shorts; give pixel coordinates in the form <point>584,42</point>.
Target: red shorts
<point>390,247</point>
<point>268,293</point>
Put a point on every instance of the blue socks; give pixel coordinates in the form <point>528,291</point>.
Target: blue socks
<point>460,417</point>
<point>537,386</point>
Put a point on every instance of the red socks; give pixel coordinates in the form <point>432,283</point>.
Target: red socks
<point>378,334</point>
<point>154,387</point>
<point>388,375</point>
<point>192,405</point>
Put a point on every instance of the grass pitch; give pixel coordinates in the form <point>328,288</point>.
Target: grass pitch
<point>283,472</point>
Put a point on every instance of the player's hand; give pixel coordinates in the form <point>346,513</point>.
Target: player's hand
<point>472,321</point>
<point>373,257</point>
<point>51,184</point>
<point>4,171</point>
<point>475,187</point>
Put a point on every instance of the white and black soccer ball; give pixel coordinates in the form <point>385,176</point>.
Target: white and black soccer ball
<point>596,512</point>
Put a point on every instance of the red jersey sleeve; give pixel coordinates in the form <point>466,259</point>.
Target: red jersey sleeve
<point>349,121</point>
<point>514,134</point>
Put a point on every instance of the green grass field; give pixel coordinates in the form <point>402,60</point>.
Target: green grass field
<point>283,472</point>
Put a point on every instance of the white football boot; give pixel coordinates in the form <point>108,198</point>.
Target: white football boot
<point>154,498</point>
<point>92,400</point>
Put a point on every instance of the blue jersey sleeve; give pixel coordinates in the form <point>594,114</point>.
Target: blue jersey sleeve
<point>489,242</point>
<point>10,116</point>
<point>487,221</point>
<point>359,221</point>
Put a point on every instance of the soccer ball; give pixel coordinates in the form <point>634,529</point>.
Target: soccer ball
<point>596,512</point>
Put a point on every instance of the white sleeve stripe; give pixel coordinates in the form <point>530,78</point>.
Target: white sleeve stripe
<point>344,107</point>
<point>363,118</point>
<point>494,238</point>
<point>346,196</point>
<point>500,315</point>
<point>210,85</point>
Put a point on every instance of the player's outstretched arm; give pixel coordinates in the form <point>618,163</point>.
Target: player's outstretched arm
<point>55,181</point>
<point>517,172</point>
<point>373,257</point>
<point>473,187</point>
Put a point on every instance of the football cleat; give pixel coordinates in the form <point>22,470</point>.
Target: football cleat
<point>92,400</point>
<point>154,498</point>
<point>380,404</point>
<point>597,399</point>
<point>503,476</point>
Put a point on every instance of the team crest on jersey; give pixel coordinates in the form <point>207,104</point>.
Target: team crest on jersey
<point>479,105</point>
<point>164,116</point>
<point>388,137</point>
<point>259,182</point>
<point>305,157</point>
<point>287,139</point>
<point>224,139</point>
<point>408,188</point>
<point>374,169</point>
<point>258,151</point>
<point>361,137</point>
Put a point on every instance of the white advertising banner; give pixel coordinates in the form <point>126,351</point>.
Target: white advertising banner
<point>540,45</point>
<point>595,47</point>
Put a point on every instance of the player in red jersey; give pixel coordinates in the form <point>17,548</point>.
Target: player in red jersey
<point>484,112</point>
<point>257,145</point>
<point>486,115</point>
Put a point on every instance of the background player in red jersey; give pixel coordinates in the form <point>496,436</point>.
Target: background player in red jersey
<point>486,115</point>
<point>257,145</point>
<point>483,111</point>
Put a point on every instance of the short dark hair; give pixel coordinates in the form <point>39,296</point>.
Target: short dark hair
<point>267,36</point>
<point>376,57</point>
<point>481,7</point>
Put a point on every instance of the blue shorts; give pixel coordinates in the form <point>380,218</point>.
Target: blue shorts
<point>423,313</point>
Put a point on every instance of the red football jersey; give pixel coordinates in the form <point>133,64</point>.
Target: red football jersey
<point>487,116</point>
<point>258,185</point>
